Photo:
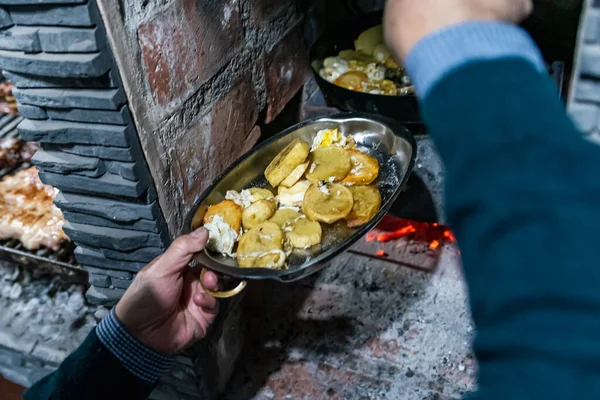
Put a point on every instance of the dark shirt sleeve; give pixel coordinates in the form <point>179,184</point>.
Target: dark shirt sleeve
<point>90,372</point>
<point>523,197</point>
<point>109,364</point>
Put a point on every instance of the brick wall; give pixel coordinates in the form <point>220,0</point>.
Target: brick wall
<point>201,76</point>
<point>69,90</point>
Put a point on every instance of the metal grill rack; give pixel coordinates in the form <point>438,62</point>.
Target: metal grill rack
<point>44,260</point>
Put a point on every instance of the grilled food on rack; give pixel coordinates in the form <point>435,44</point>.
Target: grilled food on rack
<point>318,184</point>
<point>14,152</point>
<point>27,212</point>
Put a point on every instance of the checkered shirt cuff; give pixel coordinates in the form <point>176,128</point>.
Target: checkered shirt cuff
<point>143,362</point>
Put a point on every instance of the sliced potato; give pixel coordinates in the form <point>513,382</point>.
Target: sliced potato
<point>295,175</point>
<point>381,53</point>
<point>292,197</point>
<point>369,39</point>
<point>327,203</point>
<point>286,161</point>
<point>392,64</point>
<point>329,164</point>
<point>352,80</point>
<point>365,168</point>
<point>228,210</point>
<point>262,247</point>
<point>283,216</point>
<point>367,201</point>
<point>258,212</point>
<point>261,194</point>
<point>303,233</point>
<point>353,55</point>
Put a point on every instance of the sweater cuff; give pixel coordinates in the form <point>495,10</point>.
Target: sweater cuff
<point>143,362</point>
<point>441,52</point>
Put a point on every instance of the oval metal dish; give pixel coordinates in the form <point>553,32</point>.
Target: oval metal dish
<point>388,141</point>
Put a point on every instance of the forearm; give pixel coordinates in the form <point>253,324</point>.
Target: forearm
<point>522,195</point>
<point>108,359</point>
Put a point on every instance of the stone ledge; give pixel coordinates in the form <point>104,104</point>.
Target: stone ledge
<point>115,239</point>
<point>26,81</point>
<point>56,65</point>
<point>69,15</point>
<point>66,132</point>
<point>64,163</point>
<point>70,40</point>
<point>5,20</point>
<point>113,210</point>
<point>121,117</point>
<point>20,38</point>
<point>103,296</point>
<point>107,184</point>
<point>104,152</point>
<point>94,258</point>
<point>120,283</point>
<point>102,99</point>
<point>99,280</point>
<point>144,254</point>
<point>143,225</point>
<point>130,171</point>
<point>112,274</point>
<point>31,112</point>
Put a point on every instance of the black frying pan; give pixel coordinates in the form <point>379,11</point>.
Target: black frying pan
<point>341,36</point>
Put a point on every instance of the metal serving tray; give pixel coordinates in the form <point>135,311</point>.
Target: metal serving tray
<point>386,140</point>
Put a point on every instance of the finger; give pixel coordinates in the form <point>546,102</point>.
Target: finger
<point>206,302</point>
<point>181,251</point>
<point>210,281</point>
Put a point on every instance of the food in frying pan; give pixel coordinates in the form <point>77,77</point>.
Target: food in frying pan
<point>318,184</point>
<point>27,212</point>
<point>369,68</point>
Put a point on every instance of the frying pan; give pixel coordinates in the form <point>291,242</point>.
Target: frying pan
<point>388,141</point>
<point>341,36</point>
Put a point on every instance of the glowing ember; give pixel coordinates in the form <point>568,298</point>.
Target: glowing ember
<point>434,245</point>
<point>385,237</point>
<point>380,253</point>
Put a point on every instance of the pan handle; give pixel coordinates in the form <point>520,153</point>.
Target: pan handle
<point>222,295</point>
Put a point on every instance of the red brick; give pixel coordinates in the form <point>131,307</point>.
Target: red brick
<point>286,69</point>
<point>186,44</point>
<point>211,144</point>
<point>265,11</point>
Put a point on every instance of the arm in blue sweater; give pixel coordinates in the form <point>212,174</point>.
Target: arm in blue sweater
<point>523,196</point>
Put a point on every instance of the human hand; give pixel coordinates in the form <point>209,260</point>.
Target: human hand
<point>165,307</point>
<point>408,21</point>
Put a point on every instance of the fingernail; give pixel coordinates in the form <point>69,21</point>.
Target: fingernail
<point>200,232</point>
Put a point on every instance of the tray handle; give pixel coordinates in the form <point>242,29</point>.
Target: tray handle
<point>222,295</point>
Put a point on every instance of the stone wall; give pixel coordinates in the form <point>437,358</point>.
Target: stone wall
<point>201,76</point>
<point>56,54</point>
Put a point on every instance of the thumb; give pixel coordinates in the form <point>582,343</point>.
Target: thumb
<point>181,251</point>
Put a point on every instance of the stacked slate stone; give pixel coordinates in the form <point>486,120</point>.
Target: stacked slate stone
<point>55,53</point>
<point>584,101</point>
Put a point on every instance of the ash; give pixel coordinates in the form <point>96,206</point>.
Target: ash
<point>363,328</point>
<point>40,324</point>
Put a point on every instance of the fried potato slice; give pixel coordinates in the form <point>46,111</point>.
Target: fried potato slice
<point>258,212</point>
<point>283,216</point>
<point>303,233</point>
<point>228,210</point>
<point>295,175</point>
<point>261,194</point>
<point>365,168</point>
<point>327,203</point>
<point>367,201</point>
<point>286,161</point>
<point>293,196</point>
<point>329,164</point>
<point>262,247</point>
